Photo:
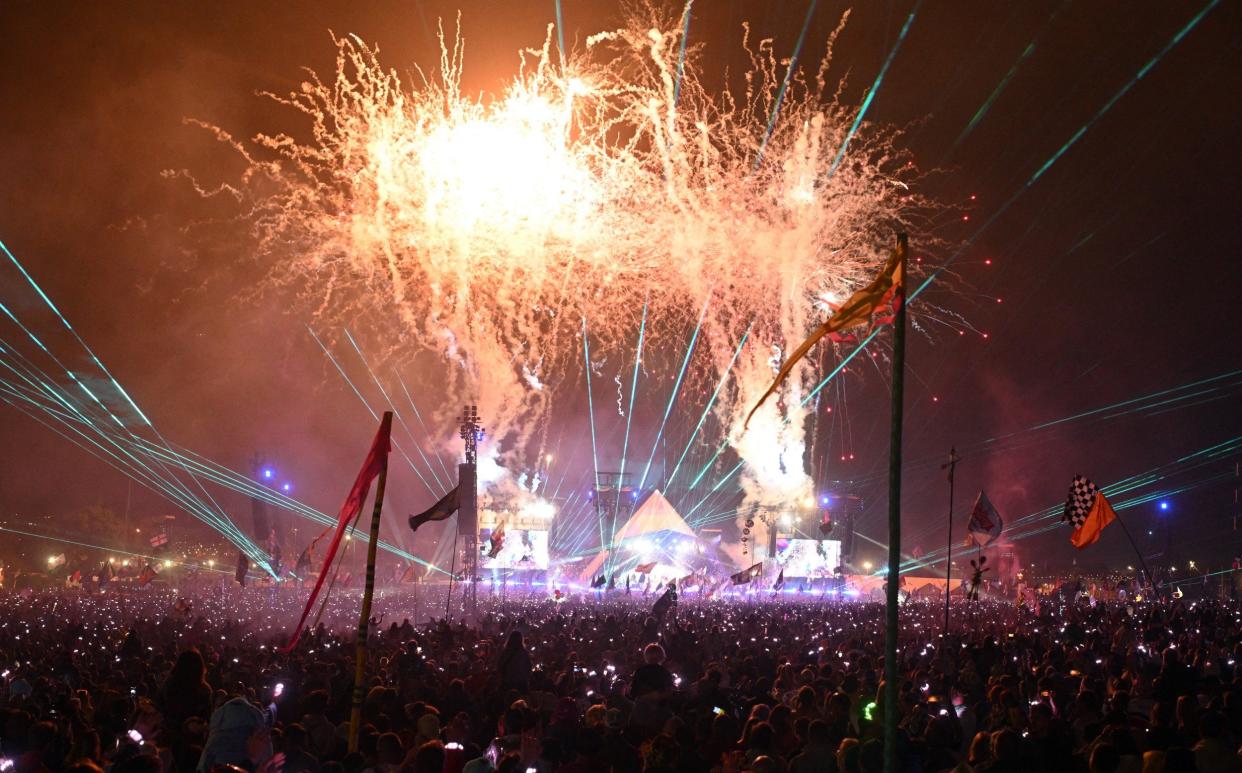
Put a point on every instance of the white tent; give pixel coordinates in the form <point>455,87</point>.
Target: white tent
<point>654,516</point>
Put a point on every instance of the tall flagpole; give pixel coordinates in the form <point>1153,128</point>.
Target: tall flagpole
<point>892,619</point>
<point>951,466</point>
<point>364,618</point>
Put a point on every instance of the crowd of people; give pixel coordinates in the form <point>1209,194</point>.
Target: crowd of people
<point>157,680</point>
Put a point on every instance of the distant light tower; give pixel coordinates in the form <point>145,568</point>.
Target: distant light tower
<point>471,433</point>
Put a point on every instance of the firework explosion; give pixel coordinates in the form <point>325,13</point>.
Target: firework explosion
<point>595,187</point>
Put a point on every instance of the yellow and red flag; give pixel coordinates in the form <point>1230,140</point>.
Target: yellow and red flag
<point>858,310</point>
<point>1088,511</point>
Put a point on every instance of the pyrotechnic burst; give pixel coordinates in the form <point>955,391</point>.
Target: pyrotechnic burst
<point>495,230</point>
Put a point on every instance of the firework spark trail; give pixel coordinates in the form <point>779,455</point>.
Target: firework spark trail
<point>789,72</point>
<point>681,55</point>
<point>875,88</point>
<point>388,400</point>
<point>481,218</point>
<point>629,416</point>
<point>935,274</point>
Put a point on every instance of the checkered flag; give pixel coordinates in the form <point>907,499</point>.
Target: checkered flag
<point>1079,502</point>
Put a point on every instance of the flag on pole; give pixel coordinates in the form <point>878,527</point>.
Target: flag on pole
<point>74,579</point>
<point>302,567</point>
<point>55,562</point>
<point>148,574</point>
<point>440,511</point>
<point>1087,511</point>
<point>105,574</point>
<point>159,540</point>
<point>858,310</point>
<point>645,568</point>
<point>599,582</point>
<point>667,599</point>
<point>780,580</point>
<point>748,574</point>
<point>243,566</point>
<point>985,523</point>
<point>376,462</point>
<point>496,540</point>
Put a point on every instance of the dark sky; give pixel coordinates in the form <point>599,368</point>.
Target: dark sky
<point>1117,268</point>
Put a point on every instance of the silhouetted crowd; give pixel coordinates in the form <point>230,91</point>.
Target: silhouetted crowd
<point>153,680</point>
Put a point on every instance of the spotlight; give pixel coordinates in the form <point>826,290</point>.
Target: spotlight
<point>1164,505</point>
<point>268,473</point>
<point>287,487</point>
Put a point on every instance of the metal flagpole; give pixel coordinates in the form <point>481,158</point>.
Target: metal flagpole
<point>1137,552</point>
<point>364,618</point>
<point>892,619</point>
<point>951,466</point>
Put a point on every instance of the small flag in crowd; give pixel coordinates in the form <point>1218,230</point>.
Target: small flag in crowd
<point>599,582</point>
<point>55,562</point>
<point>302,567</point>
<point>440,511</point>
<point>985,523</point>
<point>780,580</point>
<point>105,573</point>
<point>665,602</point>
<point>1087,511</point>
<point>148,574</point>
<point>748,574</point>
<point>243,566</point>
<point>645,568</point>
<point>159,540</point>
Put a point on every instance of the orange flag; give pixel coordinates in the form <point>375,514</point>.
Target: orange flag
<point>858,310</point>
<point>1088,511</point>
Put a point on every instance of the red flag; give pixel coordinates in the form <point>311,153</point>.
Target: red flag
<point>645,568</point>
<point>375,463</point>
<point>148,574</point>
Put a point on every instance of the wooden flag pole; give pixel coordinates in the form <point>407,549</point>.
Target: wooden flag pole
<point>892,619</point>
<point>364,618</point>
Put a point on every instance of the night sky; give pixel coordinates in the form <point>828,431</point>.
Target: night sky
<point>1116,268</point>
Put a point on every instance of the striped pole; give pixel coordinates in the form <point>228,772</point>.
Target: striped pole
<point>364,618</point>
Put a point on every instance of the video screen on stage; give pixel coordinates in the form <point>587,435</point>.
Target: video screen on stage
<point>808,557</point>
<point>521,549</point>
